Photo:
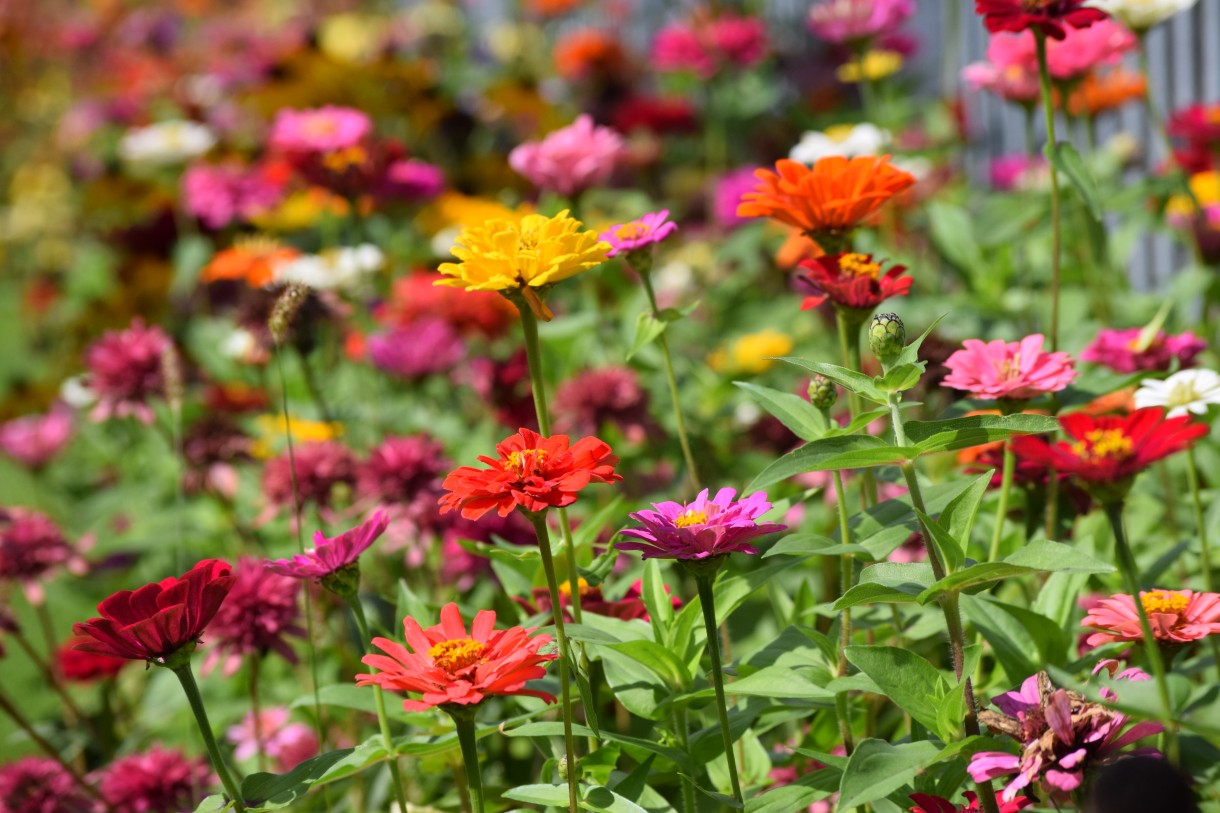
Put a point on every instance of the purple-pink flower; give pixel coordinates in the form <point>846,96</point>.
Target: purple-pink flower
<point>32,547</point>
<point>319,467</point>
<point>570,159</point>
<point>1124,352</point>
<point>125,371</point>
<point>705,45</point>
<point>319,130</point>
<point>424,347</point>
<point>40,785</point>
<point>269,732</point>
<point>727,196</point>
<point>645,231</point>
<point>158,781</point>
<point>219,194</point>
<point>329,556</point>
<point>412,179</point>
<point>1000,369</point>
<point>34,440</point>
<point>256,618</point>
<point>702,528</point>
<point>851,21</point>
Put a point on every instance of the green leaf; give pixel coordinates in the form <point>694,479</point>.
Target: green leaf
<point>905,677</point>
<point>1067,160</point>
<point>605,800</point>
<point>555,729</point>
<point>657,601</point>
<point>814,545</point>
<point>910,353</point>
<point>878,768</point>
<point>632,785</point>
<point>849,379</point>
<point>270,791</point>
<point>952,232</point>
<point>962,433</point>
<point>547,795</point>
<point>832,454</point>
<point>772,681</point>
<point>952,551</point>
<point>888,582</point>
<point>647,329</point>
<point>658,659</point>
<point>212,804</point>
<point>1038,556</point>
<point>900,377</point>
<point>959,515</point>
<point>1023,642</point>
<point>804,419</point>
<point>412,606</point>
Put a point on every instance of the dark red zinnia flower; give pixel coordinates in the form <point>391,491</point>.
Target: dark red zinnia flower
<point>158,619</point>
<point>40,785</point>
<point>588,401</point>
<point>125,371</point>
<point>851,281</point>
<point>86,667</point>
<point>1051,17</point>
<point>158,781</point>
<point>258,616</point>
<point>320,466</point>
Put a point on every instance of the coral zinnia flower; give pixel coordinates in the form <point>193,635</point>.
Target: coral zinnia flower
<point>157,620</point>
<point>330,556</point>
<point>533,472</point>
<point>852,281</point>
<point>702,528</point>
<point>1000,369</point>
<point>1176,617</point>
<point>834,196</point>
<point>447,665</point>
<point>1051,17</point>
<point>255,260</point>
<point>1109,449</point>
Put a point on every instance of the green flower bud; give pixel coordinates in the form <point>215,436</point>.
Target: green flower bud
<point>887,336</point>
<point>822,392</point>
<point>345,581</point>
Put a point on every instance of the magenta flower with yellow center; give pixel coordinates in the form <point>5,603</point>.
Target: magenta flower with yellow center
<point>702,528</point>
<point>648,230</point>
<point>1177,617</point>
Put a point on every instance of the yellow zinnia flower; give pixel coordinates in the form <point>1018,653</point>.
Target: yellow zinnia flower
<point>272,428</point>
<point>752,353</point>
<point>872,66</point>
<point>520,255</point>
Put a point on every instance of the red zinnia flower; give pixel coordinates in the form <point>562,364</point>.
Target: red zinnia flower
<point>1051,17</point>
<point>157,620</point>
<point>447,665</point>
<point>160,780</point>
<point>86,667</point>
<point>1111,449</point>
<point>851,281</point>
<point>935,804</point>
<point>533,472</point>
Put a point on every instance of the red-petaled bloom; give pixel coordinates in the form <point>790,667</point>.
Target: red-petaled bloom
<point>258,616</point>
<point>533,472</point>
<point>1111,449</point>
<point>40,785</point>
<point>160,780</point>
<point>851,281</point>
<point>935,804</point>
<point>630,607</point>
<point>86,667</point>
<point>157,620</point>
<point>1051,17</point>
<point>447,665</point>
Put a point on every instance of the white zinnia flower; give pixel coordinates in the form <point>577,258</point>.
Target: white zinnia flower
<point>1140,15</point>
<point>335,269</point>
<point>168,142</point>
<point>1183,392</point>
<point>846,140</point>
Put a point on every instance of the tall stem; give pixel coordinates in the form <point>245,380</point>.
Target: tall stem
<point>688,787</point>
<point>1205,557</point>
<point>383,720</point>
<point>708,601</point>
<point>256,708</point>
<point>1048,109</point>
<point>691,469</point>
<point>470,757</point>
<point>849,345</point>
<point>1002,510</point>
<point>847,574</point>
<point>565,655</point>
<point>187,679</point>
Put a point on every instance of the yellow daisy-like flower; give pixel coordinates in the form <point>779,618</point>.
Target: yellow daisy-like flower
<point>872,66</point>
<point>271,429</point>
<point>752,353</point>
<point>521,255</point>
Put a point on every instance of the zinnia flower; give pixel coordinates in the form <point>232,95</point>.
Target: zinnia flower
<point>1017,370</point>
<point>336,269</point>
<point>319,130</point>
<point>731,188</point>
<point>934,804</point>
<point>1126,351</point>
<point>320,467</point>
<point>570,159</point>
<point>532,472</point>
<point>1140,15</point>
<point>159,619</point>
<point>257,618</point>
<point>270,733</point>
<point>164,143</point>
<point>86,667</point>
<point>41,785</point>
<point>1184,392</point>
<point>447,665</point>
<point>591,399</point>
<point>125,371</point>
<point>334,557</point>
<point>254,260</point>
<point>852,281</point>
<point>645,231</point>
<point>833,197</point>
<point>1051,17</point>
<point>223,193</point>
<point>1084,50</point>
<point>705,45</point>
<point>158,781</point>
<point>702,528</point>
<point>851,21</point>
<point>846,140</point>
<point>34,440</point>
<point>32,547</point>
<point>1177,617</point>
<point>423,348</point>
<point>1010,70</point>
<point>404,470</point>
<point>630,607</point>
<point>416,297</point>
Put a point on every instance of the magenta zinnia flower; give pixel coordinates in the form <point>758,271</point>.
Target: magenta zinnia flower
<point>158,781</point>
<point>571,159</point>
<point>1123,352</point>
<point>585,403</point>
<point>125,371</point>
<point>219,194</point>
<point>1177,617</point>
<point>702,528</point>
<point>420,349</point>
<point>1000,369</point>
<point>35,439</point>
<point>320,466</point>
<point>404,470</point>
<point>40,785</point>
<point>329,556</point>
<point>32,547</point>
<point>322,129</point>
<point>257,617</point>
<point>646,231</point>
<point>848,21</point>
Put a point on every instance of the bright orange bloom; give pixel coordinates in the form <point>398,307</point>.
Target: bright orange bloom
<point>447,665</point>
<point>1100,92</point>
<point>589,52</point>
<point>254,260</point>
<point>533,472</point>
<point>834,196</point>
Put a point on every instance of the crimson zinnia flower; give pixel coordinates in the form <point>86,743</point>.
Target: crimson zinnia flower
<point>851,281</point>
<point>40,785</point>
<point>157,620</point>
<point>257,618</point>
<point>533,472</point>
<point>86,667</point>
<point>1051,17</point>
<point>447,665</point>
<point>160,780</point>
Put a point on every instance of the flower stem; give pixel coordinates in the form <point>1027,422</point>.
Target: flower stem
<point>847,574</point>
<point>1010,464</point>
<point>1048,109</point>
<point>256,708</point>
<point>565,655</point>
<point>470,758</point>
<point>1130,572</point>
<point>383,721</point>
<point>691,469</point>
<point>688,787</point>
<point>849,344</point>
<point>187,679</point>
<point>708,601</point>
<point>1205,557</point>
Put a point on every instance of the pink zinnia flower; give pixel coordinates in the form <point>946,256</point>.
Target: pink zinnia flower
<point>571,159</point>
<point>257,617</point>
<point>32,548</point>
<point>219,194</point>
<point>412,179</point>
<point>1010,71</point>
<point>737,41</point>
<point>727,197</point>
<point>414,351</point>
<point>35,439</point>
<point>935,804</point>
<point>269,732</point>
<point>330,556</point>
<point>1177,617</point>
<point>1083,49</point>
<point>40,785</point>
<point>1000,369</point>
<point>319,130</point>
<point>648,230</point>
<point>158,781</point>
<point>320,466</point>
<point>1121,350</point>
<point>704,46</point>
<point>1018,171</point>
<point>125,371</point>
<point>849,21</point>
<point>701,528</point>
<point>588,401</point>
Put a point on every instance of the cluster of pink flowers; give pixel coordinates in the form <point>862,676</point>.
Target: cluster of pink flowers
<point>703,46</point>
<point>271,733</point>
<point>1127,351</point>
<point>422,348</point>
<point>571,159</point>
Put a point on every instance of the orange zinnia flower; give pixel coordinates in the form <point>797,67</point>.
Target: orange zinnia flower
<point>254,260</point>
<point>834,196</point>
<point>448,666</point>
<point>533,472</point>
<point>1099,93</point>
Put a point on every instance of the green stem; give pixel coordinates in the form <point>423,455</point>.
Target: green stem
<point>847,574</point>
<point>256,708</point>
<point>708,601</point>
<point>691,469</point>
<point>383,720</point>
<point>1130,572</point>
<point>565,655</point>
<point>849,344</point>
<point>470,758</point>
<point>1030,149</point>
<point>1048,109</point>
<point>1010,464</point>
<point>187,679</point>
<point>688,787</point>
<point>1205,557</point>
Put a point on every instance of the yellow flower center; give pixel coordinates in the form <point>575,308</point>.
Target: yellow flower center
<point>1101,444</point>
<point>527,461</point>
<point>631,231</point>
<point>872,66</point>
<point>1164,601</point>
<point>858,265</point>
<point>344,159</point>
<point>1010,367</point>
<point>690,517</point>
<point>565,589</point>
<point>840,132</point>
<point>457,654</point>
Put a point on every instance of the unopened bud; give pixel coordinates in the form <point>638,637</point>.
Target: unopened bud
<point>285,310</point>
<point>822,393</point>
<point>345,581</point>
<point>887,336</point>
<point>171,375</point>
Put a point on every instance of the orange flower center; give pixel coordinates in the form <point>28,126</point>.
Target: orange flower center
<point>527,462</point>
<point>858,265</point>
<point>631,231</point>
<point>565,589</point>
<point>1103,444</point>
<point>344,159</point>
<point>457,654</point>
<point>1212,114</point>
<point>1164,601</point>
<point>690,517</point>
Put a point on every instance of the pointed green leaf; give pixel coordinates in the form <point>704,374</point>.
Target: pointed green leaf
<point>878,768</point>
<point>804,419</point>
<point>833,454</point>
<point>962,433</point>
<point>1067,160</point>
